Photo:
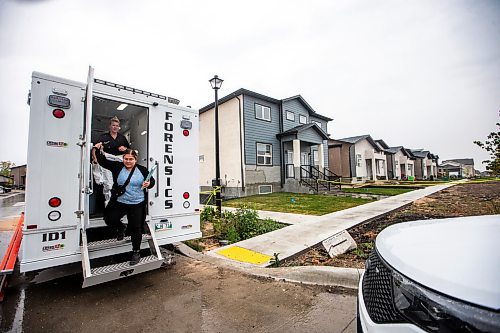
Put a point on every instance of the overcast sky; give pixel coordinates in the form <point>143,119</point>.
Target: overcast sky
<point>421,74</point>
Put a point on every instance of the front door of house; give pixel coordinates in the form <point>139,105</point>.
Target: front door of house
<point>289,164</point>
<point>304,163</point>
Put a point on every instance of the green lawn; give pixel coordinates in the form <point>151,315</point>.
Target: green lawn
<point>310,204</point>
<point>377,190</point>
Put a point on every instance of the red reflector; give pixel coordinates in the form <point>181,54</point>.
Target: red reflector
<point>185,132</point>
<point>58,113</point>
<point>32,226</point>
<point>54,202</point>
<point>186,195</point>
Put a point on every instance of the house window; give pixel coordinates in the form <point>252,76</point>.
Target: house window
<point>316,122</point>
<point>358,160</point>
<point>264,154</point>
<point>409,167</point>
<point>290,116</point>
<point>262,112</point>
<point>265,189</point>
<point>201,158</point>
<point>302,119</point>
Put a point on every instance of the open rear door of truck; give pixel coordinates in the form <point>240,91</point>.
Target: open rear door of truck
<point>173,148</point>
<point>85,176</point>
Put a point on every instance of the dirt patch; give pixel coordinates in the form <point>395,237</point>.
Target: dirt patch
<point>459,200</point>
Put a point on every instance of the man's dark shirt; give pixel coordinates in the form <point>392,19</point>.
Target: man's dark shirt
<point>111,145</point>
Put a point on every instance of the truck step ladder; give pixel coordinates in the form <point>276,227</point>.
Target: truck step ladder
<point>97,275</point>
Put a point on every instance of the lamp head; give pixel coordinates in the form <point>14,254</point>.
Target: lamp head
<point>215,82</point>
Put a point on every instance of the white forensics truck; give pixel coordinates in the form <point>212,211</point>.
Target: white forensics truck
<point>64,218</point>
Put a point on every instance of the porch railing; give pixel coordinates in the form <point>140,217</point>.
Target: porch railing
<point>332,177</point>
<point>316,179</point>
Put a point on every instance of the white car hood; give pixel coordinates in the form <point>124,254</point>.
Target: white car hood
<point>459,257</point>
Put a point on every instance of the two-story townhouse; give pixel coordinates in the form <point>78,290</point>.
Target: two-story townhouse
<point>264,143</point>
<point>425,164</point>
<point>357,159</point>
<point>400,162</point>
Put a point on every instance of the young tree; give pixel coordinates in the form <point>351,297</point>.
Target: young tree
<point>492,145</point>
<point>5,167</point>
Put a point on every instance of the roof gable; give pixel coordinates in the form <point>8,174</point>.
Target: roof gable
<point>356,139</point>
<point>307,106</point>
<point>302,128</point>
<point>464,161</point>
<point>236,93</point>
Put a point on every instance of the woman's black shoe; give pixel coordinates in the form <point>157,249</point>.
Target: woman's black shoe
<point>136,257</point>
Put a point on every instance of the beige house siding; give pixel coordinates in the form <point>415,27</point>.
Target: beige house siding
<point>229,145</point>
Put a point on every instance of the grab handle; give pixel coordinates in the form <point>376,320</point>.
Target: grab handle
<point>157,194</point>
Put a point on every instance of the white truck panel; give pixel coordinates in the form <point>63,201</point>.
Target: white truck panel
<point>54,166</point>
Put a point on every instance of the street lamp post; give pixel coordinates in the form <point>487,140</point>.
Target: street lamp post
<point>216,83</point>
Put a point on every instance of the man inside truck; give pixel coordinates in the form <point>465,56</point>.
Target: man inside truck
<point>113,142</point>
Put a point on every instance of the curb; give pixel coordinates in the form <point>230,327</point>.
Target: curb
<point>311,275</point>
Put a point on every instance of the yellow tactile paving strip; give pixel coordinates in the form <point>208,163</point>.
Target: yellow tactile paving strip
<point>240,254</point>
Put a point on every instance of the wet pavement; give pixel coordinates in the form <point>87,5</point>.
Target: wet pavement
<point>11,205</point>
<point>191,296</point>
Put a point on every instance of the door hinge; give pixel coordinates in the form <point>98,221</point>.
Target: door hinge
<point>79,213</point>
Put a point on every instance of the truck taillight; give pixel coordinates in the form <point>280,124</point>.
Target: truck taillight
<point>185,132</point>
<point>54,202</point>
<point>186,195</point>
<point>58,113</point>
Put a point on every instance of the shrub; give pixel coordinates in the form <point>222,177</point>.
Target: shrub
<point>242,224</point>
<point>208,214</point>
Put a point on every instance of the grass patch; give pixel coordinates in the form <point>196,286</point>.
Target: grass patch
<point>377,190</point>
<point>309,204</point>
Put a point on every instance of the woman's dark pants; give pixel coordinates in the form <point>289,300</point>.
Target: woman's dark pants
<point>135,216</point>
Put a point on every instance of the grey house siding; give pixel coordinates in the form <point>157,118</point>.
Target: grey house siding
<point>323,123</point>
<point>310,136</point>
<point>260,131</point>
<point>298,109</point>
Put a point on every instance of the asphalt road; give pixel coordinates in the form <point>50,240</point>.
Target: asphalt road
<point>191,296</point>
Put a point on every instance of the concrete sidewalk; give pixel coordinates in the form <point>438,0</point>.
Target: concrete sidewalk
<point>308,231</point>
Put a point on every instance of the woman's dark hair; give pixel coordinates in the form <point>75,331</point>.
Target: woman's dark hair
<point>131,152</point>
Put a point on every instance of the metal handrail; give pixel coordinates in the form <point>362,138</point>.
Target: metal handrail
<point>331,176</point>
